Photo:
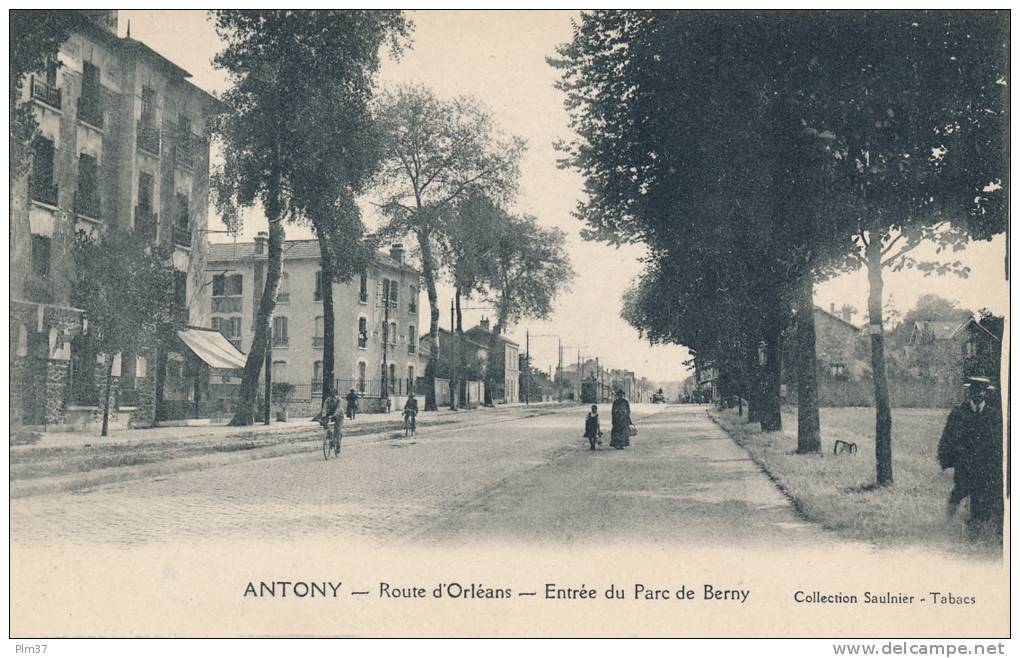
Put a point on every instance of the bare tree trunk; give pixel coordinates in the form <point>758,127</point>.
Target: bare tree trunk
<point>883,414</point>
<point>809,439</point>
<point>455,336</point>
<point>428,267</point>
<point>106,398</point>
<point>328,319</point>
<point>244,412</point>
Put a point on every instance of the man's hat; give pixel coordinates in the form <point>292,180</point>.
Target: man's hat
<point>978,383</point>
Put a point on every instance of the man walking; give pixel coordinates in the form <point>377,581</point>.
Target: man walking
<point>971,445</point>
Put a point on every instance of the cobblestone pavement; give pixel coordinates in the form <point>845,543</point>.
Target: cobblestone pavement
<point>527,479</point>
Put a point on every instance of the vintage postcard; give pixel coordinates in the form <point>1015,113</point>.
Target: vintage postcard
<point>608,323</point>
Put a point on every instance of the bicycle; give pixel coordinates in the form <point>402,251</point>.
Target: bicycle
<point>331,439</point>
<point>409,424</point>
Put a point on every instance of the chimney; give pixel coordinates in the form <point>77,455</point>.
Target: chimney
<point>848,312</point>
<point>261,241</point>
<point>397,252</point>
<point>484,323</point>
<point>832,309</point>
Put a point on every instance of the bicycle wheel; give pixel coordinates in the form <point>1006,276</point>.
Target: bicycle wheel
<point>339,440</point>
<point>325,444</point>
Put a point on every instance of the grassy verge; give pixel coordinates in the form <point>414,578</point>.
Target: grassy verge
<point>836,490</point>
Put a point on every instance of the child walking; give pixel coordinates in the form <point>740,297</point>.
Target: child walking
<point>592,431</point>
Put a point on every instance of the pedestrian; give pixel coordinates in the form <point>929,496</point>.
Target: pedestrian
<point>329,412</point>
<point>620,435</point>
<point>352,404</point>
<point>971,445</point>
<point>592,430</point>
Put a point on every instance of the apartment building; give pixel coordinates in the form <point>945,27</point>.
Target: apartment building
<point>376,319</point>
<point>122,143</point>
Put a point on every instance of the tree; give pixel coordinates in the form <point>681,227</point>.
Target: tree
<point>125,285</point>
<point>285,65</point>
<point>913,119</point>
<point>35,39</point>
<point>436,153</point>
<point>932,307</point>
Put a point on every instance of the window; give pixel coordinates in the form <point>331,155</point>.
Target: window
<point>362,372</point>
<point>148,106</point>
<point>394,289</point>
<point>184,125</point>
<point>51,73</point>
<point>392,379</point>
<point>410,378</point>
<point>363,288</point>
<point>227,285</point>
<point>180,289</point>
<point>385,291</point>
<point>40,182</point>
<point>90,108</point>
<point>317,372</point>
<point>41,256</point>
<point>280,372</point>
<point>838,370</point>
<point>280,331</point>
<point>183,211</point>
<point>412,299</point>
<point>393,333</point>
<point>362,333</point>
<point>319,325</point>
<point>229,327</point>
<point>318,286</point>
<point>412,339</point>
<point>145,192</point>
<point>86,199</point>
<point>283,293</point>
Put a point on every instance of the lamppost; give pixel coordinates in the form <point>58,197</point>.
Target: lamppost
<point>571,347</point>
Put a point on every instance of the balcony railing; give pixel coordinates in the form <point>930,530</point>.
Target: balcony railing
<point>148,137</point>
<point>146,222</point>
<point>184,152</point>
<point>90,111</point>
<point>318,341</point>
<point>43,191</point>
<point>87,204</point>
<point>362,340</point>
<point>182,235</point>
<point>45,92</point>
<point>282,297</point>
<point>226,304</point>
<point>280,341</point>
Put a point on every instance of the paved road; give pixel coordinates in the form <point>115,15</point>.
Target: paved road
<point>523,479</point>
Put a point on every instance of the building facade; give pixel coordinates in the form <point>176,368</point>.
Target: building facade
<point>380,304</point>
<point>122,143</point>
<point>504,363</point>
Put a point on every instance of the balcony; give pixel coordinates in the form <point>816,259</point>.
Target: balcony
<point>148,136</point>
<point>146,222</point>
<point>86,204</point>
<point>182,236</point>
<point>184,152</point>
<point>45,93</point>
<point>43,191</point>
<point>90,110</point>
<point>226,304</point>
<point>318,341</point>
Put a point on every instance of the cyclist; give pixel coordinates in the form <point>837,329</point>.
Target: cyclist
<point>410,413</point>
<point>352,403</point>
<point>330,412</point>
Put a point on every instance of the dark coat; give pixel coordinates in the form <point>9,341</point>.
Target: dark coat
<point>971,445</point>
<point>621,423</point>
<point>591,427</point>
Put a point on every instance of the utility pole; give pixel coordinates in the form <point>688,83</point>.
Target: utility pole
<point>559,370</point>
<point>385,341</point>
<point>527,367</point>
<point>453,365</point>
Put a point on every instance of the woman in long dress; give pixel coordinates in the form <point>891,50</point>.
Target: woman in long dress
<point>621,422</point>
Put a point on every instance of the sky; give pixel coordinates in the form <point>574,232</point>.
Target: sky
<point>499,57</point>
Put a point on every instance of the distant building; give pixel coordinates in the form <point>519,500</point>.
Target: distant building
<point>951,350</point>
<point>504,361</point>
<point>381,302</point>
<point>122,142</point>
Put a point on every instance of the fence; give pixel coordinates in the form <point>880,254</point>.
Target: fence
<point>903,392</point>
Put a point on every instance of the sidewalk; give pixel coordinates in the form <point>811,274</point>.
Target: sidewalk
<point>69,461</point>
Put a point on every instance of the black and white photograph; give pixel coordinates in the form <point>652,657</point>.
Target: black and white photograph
<point>565,323</point>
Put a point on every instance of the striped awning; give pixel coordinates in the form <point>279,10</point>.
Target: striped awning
<point>211,347</point>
